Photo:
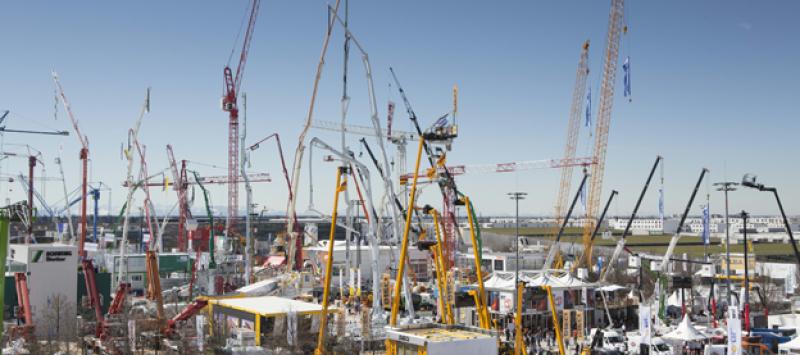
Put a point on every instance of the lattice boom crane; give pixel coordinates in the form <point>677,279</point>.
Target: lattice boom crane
<point>229,104</point>
<point>615,28</point>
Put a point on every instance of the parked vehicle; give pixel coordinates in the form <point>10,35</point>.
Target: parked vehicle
<point>612,340</point>
<point>657,346</point>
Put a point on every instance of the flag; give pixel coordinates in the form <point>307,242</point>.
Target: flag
<point>626,67</point>
<point>589,108</point>
<point>583,196</point>
<point>661,204</point>
<point>389,118</point>
<point>706,231</point>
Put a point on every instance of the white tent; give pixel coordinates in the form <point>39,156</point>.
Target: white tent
<point>611,288</point>
<point>685,332</point>
<point>500,281</point>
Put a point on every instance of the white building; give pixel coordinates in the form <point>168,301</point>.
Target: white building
<point>51,271</point>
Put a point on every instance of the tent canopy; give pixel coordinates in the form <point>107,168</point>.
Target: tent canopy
<point>504,281</point>
<point>685,332</point>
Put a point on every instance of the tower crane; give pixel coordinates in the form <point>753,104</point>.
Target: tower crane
<point>229,104</point>
<point>180,183</point>
<point>3,129</point>
<point>88,266</point>
<point>573,128</point>
<point>32,159</point>
<point>456,170</point>
<point>221,180</point>
<point>615,28</point>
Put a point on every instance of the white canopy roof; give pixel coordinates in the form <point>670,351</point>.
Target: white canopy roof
<point>269,305</point>
<point>685,332</point>
<point>504,281</point>
<point>793,345</point>
<point>611,288</point>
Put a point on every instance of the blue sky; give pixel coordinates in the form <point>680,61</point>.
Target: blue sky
<point>715,84</point>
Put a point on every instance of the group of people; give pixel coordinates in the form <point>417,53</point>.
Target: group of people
<point>537,341</point>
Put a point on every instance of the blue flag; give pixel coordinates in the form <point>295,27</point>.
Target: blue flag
<point>661,204</point>
<point>589,108</point>
<point>706,231</point>
<point>626,66</point>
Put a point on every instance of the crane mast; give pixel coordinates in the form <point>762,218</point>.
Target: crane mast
<point>603,122</point>
<point>229,104</point>
<point>86,263</point>
<point>573,128</point>
<point>180,184</point>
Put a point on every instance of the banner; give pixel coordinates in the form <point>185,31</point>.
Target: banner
<point>645,328</point>
<point>734,332</point>
<point>706,232</point>
<point>506,302</point>
<point>588,122</point>
<point>626,67</point>
<point>580,324</point>
<point>566,321</point>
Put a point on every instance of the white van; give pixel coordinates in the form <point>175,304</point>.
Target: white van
<point>612,340</point>
<point>657,346</point>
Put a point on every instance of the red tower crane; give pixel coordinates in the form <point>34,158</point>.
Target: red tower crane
<point>229,104</point>
<point>86,263</point>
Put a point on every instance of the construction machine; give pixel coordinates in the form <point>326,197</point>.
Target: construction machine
<point>435,248</point>
<point>86,263</point>
<point>615,29</point>
<point>663,268</point>
<point>621,242</point>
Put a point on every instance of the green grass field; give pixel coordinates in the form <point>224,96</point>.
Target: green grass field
<point>572,235</point>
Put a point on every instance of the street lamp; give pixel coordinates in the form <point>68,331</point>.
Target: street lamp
<point>516,196</point>
<point>745,215</point>
<point>749,180</point>
<point>726,187</point>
